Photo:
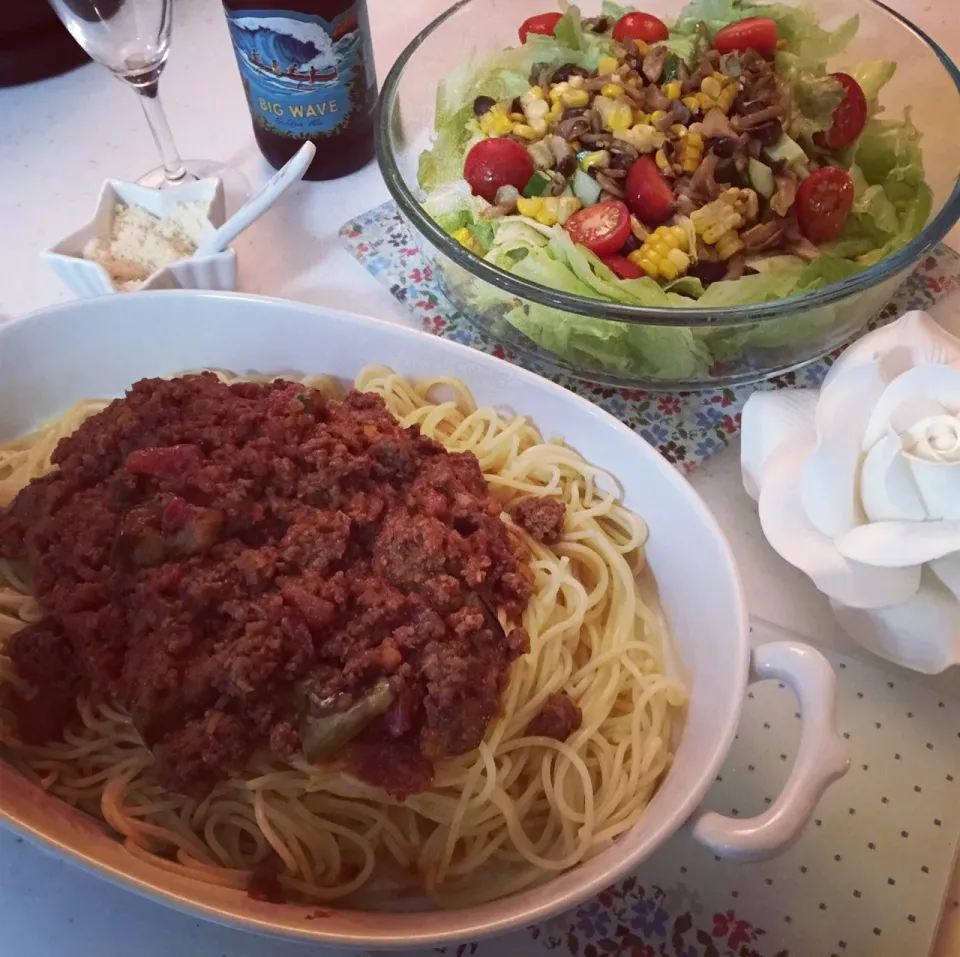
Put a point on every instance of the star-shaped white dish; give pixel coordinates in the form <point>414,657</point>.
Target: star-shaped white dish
<point>86,278</point>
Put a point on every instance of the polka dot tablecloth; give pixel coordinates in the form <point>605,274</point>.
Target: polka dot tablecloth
<point>868,877</point>
<point>687,427</point>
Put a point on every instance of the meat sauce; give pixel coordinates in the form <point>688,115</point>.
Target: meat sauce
<point>254,566</point>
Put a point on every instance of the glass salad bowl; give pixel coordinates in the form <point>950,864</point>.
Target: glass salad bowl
<point>621,343</point>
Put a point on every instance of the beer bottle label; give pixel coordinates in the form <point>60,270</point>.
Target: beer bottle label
<point>304,75</point>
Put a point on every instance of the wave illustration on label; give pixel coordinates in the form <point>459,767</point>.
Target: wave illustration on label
<point>304,76</point>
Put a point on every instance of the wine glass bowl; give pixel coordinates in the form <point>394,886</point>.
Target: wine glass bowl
<point>131,38</point>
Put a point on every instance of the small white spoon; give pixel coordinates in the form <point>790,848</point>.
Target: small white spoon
<point>290,173</point>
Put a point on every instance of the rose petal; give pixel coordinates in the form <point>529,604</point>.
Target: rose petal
<point>770,418</point>
<point>914,339</point>
<point>792,534</point>
<point>922,634</point>
<point>947,569</point>
<point>914,410</point>
<point>887,491</point>
<point>939,383</point>
<point>935,438</point>
<point>939,486</point>
<point>900,544</point>
<point>829,477</point>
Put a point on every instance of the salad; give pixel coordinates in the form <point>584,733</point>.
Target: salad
<point>712,162</point>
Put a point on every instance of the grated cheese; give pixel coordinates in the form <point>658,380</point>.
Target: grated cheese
<point>141,243</point>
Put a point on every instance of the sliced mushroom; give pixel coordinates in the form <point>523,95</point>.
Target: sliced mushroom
<point>609,184</point>
<point>763,236</point>
<point>786,193</point>
<point>654,61</point>
<point>736,265</point>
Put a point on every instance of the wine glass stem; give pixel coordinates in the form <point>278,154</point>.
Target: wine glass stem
<point>173,171</point>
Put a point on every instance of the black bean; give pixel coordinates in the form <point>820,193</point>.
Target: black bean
<point>631,245</point>
<point>563,73</point>
<point>516,106</point>
<point>483,104</point>
<point>708,272</point>
<point>768,133</point>
<point>567,165</point>
<point>722,146</point>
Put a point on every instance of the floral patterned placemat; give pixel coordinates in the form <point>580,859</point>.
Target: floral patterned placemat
<point>686,428</point>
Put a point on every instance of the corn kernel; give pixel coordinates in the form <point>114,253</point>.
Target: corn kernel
<point>556,92</point>
<point>607,65</point>
<point>466,239</point>
<point>728,96</point>
<point>529,207</point>
<point>729,244</point>
<point>711,86</point>
<point>611,90</point>
<point>672,90</point>
<point>664,254</point>
<point>705,102</point>
<point>662,162</point>
<point>641,118</point>
<point>524,132</point>
<point>691,103</point>
<point>720,77</point>
<point>518,118</point>
<point>496,122</point>
<point>642,137</point>
<point>575,98</point>
<point>633,82</point>
<point>554,113</point>
<point>576,81</point>
<point>657,115</point>
<point>691,152</point>
<point>600,159</point>
<point>536,93</point>
<point>614,114</point>
<point>642,47</point>
<point>678,129</point>
<point>545,217</point>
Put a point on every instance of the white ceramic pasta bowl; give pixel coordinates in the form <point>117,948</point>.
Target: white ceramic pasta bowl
<point>99,347</point>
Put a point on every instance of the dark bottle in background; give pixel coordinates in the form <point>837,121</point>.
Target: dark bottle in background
<point>307,69</point>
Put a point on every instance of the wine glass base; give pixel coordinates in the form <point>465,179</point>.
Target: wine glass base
<point>236,187</point>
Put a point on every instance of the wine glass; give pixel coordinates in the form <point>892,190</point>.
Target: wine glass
<point>131,38</point>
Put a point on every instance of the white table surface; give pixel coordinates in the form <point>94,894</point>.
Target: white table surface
<point>58,141</point>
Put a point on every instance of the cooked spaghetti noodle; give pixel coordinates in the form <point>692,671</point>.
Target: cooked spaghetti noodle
<point>506,816</point>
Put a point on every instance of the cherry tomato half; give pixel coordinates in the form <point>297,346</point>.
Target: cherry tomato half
<point>824,201</point>
<point>603,228</point>
<point>849,117</point>
<point>648,193</point>
<point>754,33</point>
<point>640,26</point>
<point>497,162</point>
<point>543,23</point>
<point>623,267</point>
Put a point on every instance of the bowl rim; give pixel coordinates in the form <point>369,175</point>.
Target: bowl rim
<point>460,924</point>
<point>694,316</point>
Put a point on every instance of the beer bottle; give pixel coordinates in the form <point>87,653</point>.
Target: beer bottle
<point>307,69</point>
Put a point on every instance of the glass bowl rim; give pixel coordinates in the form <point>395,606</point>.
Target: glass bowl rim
<point>681,316</point>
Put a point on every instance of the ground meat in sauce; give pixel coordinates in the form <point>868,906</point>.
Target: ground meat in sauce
<point>207,554</point>
<point>542,518</point>
<point>558,718</point>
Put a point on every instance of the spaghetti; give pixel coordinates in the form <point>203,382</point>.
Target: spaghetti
<point>509,815</point>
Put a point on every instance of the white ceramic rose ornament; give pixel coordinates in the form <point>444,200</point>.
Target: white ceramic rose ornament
<point>858,485</point>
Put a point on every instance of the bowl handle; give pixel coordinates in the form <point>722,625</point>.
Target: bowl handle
<point>823,757</point>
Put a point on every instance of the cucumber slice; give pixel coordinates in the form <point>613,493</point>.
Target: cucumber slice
<point>761,176</point>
